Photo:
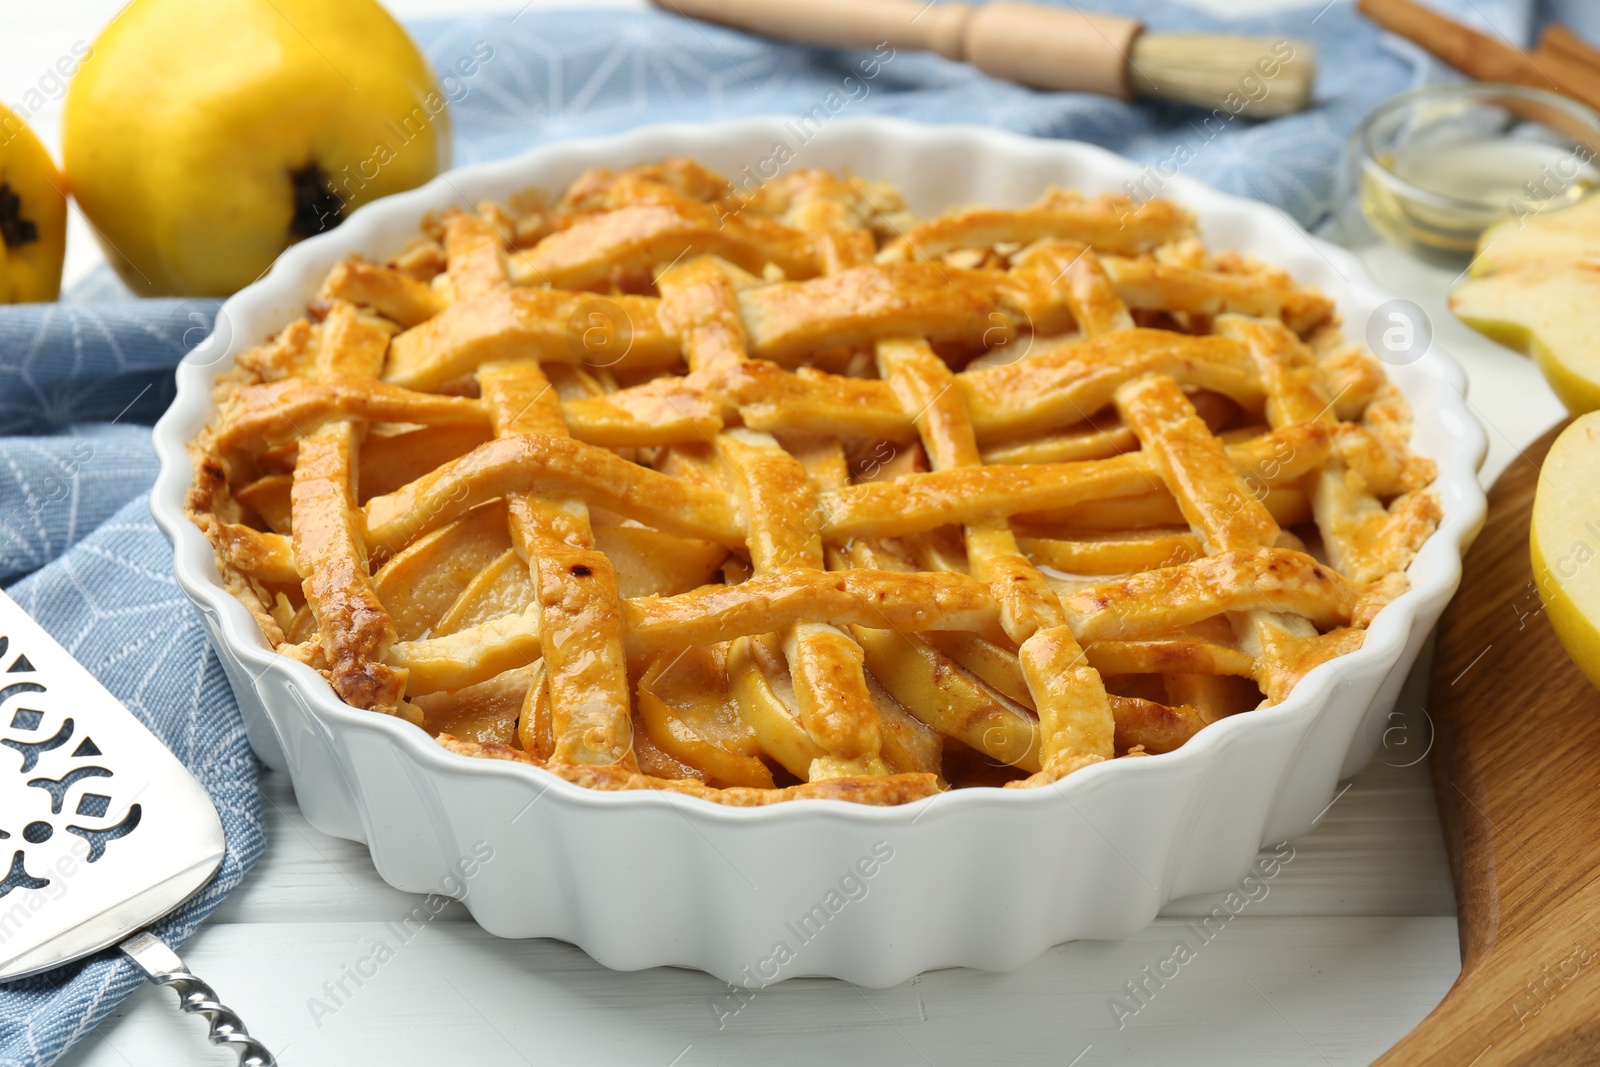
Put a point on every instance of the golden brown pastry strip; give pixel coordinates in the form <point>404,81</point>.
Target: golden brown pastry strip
<point>355,630</point>
<point>975,494</point>
<point>391,293</point>
<point>1092,443</point>
<point>825,663</point>
<point>1075,723</point>
<point>1154,727</point>
<point>267,557</point>
<point>475,254</point>
<point>1070,383</point>
<point>596,249</point>
<point>1147,283</point>
<point>788,320</point>
<point>545,324</point>
<point>1111,224</point>
<point>767,397</point>
<point>700,303</point>
<point>1114,553</point>
<point>1152,602</point>
<point>1086,290</point>
<point>711,614</point>
<point>1195,467</point>
<point>264,416</point>
<point>550,466</point>
<point>575,588</point>
<point>1289,373</point>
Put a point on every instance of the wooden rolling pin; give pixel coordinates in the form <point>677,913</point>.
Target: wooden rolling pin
<point>1060,48</point>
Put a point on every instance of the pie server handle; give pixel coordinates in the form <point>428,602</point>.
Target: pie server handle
<point>163,967</point>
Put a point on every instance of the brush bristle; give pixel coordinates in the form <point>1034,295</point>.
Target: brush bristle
<point>1221,72</point>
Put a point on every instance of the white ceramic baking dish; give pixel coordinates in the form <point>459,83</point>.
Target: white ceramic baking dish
<point>983,878</point>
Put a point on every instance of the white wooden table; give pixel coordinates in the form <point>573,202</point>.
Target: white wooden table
<point>1354,942</point>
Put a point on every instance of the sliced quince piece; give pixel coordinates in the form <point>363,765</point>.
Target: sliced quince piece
<point>1551,312</point>
<point>421,584</point>
<point>502,588</point>
<point>651,562</point>
<point>1570,235</point>
<point>688,713</point>
<point>1565,541</point>
<point>484,712</point>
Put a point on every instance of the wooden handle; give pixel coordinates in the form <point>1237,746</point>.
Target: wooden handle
<point>1473,53</point>
<point>1516,768</point>
<point>1559,40</point>
<point>1569,74</point>
<point>840,23</point>
<point>1059,48</point>
<point>1047,47</point>
<point>1480,56</point>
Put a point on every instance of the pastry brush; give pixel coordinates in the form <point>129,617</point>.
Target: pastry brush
<point>1061,48</point>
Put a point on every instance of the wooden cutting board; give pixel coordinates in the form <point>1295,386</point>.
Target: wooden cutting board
<point>1516,768</point>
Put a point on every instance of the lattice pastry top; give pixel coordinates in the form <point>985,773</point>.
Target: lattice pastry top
<point>785,493</point>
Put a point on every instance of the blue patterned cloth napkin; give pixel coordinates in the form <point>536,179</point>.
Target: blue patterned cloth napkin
<point>81,381</point>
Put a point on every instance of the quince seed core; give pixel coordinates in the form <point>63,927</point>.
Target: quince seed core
<point>317,207</point>
<point>14,229</point>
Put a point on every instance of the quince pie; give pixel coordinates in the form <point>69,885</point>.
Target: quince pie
<point>780,493</point>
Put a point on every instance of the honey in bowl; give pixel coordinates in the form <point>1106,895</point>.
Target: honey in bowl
<point>1434,168</point>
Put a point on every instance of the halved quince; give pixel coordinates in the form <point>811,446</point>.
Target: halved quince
<point>1535,287</point>
<point>1570,235</point>
<point>1550,311</point>
<point>1565,541</point>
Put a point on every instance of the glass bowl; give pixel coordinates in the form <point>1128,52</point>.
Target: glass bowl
<point>1432,168</point>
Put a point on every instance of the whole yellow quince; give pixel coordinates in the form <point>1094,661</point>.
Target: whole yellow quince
<point>33,216</point>
<point>209,135</point>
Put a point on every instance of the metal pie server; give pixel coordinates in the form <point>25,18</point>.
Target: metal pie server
<point>102,830</point>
